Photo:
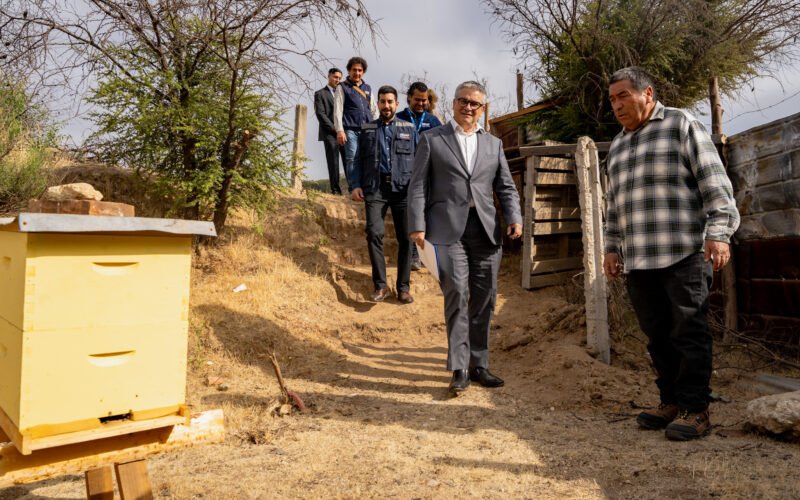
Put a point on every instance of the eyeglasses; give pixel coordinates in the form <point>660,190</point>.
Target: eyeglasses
<point>466,103</point>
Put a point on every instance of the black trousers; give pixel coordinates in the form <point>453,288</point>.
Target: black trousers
<point>672,307</point>
<point>332,154</point>
<point>377,204</point>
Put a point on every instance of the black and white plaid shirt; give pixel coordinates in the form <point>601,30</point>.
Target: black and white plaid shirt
<point>667,192</point>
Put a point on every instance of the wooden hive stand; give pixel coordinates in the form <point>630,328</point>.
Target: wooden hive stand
<point>127,454</point>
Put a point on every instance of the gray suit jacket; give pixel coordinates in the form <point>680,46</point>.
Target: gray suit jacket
<point>441,187</point>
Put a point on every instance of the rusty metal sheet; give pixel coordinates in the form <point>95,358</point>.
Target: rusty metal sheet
<point>63,223</point>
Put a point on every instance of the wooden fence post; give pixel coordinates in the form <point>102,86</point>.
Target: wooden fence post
<point>729,306</point>
<point>587,168</point>
<point>298,149</point>
<point>531,164</point>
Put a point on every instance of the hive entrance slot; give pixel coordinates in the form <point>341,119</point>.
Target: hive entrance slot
<point>115,418</point>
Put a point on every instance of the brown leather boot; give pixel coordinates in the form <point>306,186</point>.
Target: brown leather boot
<point>689,426</point>
<point>658,418</point>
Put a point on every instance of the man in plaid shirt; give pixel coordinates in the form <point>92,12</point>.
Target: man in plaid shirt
<point>670,217</point>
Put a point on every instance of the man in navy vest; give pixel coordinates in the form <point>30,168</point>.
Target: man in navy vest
<point>416,113</point>
<point>354,105</point>
<point>323,108</point>
<point>381,174</point>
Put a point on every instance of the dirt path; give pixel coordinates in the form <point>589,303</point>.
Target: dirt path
<point>380,423</point>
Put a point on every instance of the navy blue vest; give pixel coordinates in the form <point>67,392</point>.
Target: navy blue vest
<point>356,107</point>
<point>366,168</point>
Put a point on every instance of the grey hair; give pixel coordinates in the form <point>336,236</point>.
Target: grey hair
<point>639,78</point>
<point>471,84</point>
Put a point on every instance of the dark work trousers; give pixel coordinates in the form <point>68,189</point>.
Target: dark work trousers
<point>377,204</point>
<point>332,154</point>
<point>672,307</point>
<point>468,278</point>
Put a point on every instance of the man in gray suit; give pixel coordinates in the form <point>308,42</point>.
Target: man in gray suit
<point>457,169</point>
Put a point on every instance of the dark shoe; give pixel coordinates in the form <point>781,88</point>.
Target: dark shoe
<point>416,265</point>
<point>459,382</point>
<point>405,298</point>
<point>379,295</point>
<point>484,377</point>
<point>658,418</point>
<point>689,426</point>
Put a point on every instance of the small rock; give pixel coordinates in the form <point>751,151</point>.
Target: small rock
<point>715,396</point>
<point>778,413</point>
<point>76,191</point>
<point>223,387</point>
<point>285,410</point>
<point>212,380</point>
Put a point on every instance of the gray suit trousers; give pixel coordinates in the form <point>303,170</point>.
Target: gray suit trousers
<point>468,276</point>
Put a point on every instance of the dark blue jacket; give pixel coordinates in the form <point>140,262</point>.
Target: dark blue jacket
<point>429,121</point>
<point>366,169</point>
<point>355,111</point>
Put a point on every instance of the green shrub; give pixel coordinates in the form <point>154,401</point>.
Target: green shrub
<point>25,142</point>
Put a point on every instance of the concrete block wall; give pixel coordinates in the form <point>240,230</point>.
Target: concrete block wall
<point>764,167</point>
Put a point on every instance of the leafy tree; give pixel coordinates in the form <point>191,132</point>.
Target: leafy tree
<point>570,48</point>
<point>189,89</point>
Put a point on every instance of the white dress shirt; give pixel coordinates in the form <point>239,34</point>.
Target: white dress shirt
<point>467,142</point>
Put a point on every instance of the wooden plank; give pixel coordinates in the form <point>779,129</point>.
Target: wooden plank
<point>527,233</point>
<point>556,227</point>
<point>133,481</point>
<point>557,246</point>
<point>543,280</point>
<point>561,164</point>
<point>563,245</point>
<point>555,178</point>
<point>594,283</point>
<point>108,429</point>
<point>550,265</point>
<point>100,484</point>
<point>561,150</point>
<point>519,114</point>
<point>730,313</point>
<point>560,213</point>
<point>15,468</point>
<point>11,432</point>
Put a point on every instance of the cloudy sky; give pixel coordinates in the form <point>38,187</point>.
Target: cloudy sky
<point>450,41</point>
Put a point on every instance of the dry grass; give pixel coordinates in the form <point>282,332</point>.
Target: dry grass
<point>379,422</point>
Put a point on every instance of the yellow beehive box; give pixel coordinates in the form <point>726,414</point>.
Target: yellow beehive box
<point>93,319</point>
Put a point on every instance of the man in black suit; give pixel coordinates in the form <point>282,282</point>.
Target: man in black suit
<point>323,108</point>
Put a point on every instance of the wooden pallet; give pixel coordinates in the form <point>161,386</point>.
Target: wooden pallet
<point>551,248</point>
<point>122,450</point>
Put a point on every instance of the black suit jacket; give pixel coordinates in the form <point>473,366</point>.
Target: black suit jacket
<point>323,108</point>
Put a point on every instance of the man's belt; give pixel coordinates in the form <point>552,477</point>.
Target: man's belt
<point>386,179</point>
